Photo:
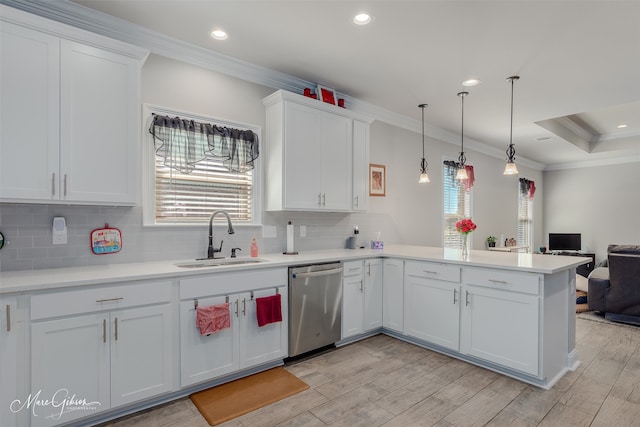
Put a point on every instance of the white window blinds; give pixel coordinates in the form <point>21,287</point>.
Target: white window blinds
<point>525,214</point>
<point>188,195</point>
<point>456,206</point>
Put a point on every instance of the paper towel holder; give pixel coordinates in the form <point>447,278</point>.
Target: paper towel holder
<point>290,234</point>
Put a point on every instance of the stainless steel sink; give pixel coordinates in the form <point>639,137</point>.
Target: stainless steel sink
<point>216,262</point>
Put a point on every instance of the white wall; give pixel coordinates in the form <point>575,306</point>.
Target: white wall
<point>409,214</point>
<point>600,202</point>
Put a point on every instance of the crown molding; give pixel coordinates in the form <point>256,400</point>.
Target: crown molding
<point>593,163</point>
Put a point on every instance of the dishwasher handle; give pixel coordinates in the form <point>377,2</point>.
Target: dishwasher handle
<point>317,273</point>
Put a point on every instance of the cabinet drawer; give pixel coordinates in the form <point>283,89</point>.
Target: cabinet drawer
<point>432,270</point>
<point>528,283</point>
<point>352,268</point>
<point>64,303</point>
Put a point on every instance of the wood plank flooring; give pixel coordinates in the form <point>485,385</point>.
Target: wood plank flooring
<point>382,381</point>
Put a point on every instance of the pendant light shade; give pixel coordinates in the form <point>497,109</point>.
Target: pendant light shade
<point>462,160</point>
<point>424,177</point>
<point>510,168</point>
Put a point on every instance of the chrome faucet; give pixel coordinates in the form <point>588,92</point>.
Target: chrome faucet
<point>211,251</point>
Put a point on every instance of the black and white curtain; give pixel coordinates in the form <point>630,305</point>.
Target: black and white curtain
<point>182,143</point>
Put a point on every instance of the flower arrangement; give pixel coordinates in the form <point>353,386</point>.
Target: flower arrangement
<point>465,226</point>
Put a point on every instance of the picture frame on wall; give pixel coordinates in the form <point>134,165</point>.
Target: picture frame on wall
<point>327,95</point>
<point>377,180</point>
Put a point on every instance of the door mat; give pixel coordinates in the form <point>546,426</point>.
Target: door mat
<point>228,401</point>
<point>581,302</point>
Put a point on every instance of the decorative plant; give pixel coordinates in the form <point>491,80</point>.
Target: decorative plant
<point>491,241</point>
<point>465,226</point>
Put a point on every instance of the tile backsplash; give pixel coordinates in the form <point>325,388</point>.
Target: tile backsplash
<point>28,235</point>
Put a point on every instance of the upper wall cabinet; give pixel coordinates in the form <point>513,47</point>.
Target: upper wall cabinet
<point>70,114</point>
<point>315,153</point>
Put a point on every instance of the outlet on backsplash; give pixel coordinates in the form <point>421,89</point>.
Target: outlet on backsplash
<point>303,231</point>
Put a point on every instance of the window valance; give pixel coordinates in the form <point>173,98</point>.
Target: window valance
<point>454,166</point>
<point>182,143</point>
<point>527,187</point>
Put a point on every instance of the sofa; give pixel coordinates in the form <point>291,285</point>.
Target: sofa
<point>614,290</point>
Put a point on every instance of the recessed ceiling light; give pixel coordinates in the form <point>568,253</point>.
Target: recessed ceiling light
<point>622,126</point>
<point>470,82</point>
<point>362,19</point>
<point>219,34</point>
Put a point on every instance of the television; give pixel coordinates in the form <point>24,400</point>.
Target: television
<point>565,241</point>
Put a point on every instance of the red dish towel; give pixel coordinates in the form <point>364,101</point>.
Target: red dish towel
<point>269,309</point>
<point>213,318</point>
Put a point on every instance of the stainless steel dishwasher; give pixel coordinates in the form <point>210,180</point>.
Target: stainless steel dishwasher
<point>315,307</point>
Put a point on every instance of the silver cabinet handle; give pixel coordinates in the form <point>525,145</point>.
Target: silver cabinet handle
<point>110,299</point>
<point>357,200</point>
<point>65,185</point>
<point>116,331</point>
<point>319,199</point>
<point>104,330</point>
<point>53,184</point>
<point>236,308</point>
<point>317,273</point>
<point>429,271</point>
<point>369,269</point>
<point>466,298</point>
<point>8,318</point>
<point>244,307</point>
<point>501,282</point>
<point>324,199</point>
<point>455,291</point>
<point>361,283</point>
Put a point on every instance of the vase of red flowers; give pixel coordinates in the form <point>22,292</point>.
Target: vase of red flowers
<point>464,227</point>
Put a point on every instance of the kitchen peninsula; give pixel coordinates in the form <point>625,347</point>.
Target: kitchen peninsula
<point>512,313</point>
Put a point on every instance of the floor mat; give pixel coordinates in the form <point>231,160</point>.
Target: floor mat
<point>228,401</point>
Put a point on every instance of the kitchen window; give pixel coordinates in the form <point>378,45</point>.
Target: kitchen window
<point>181,193</point>
<point>456,205</point>
<point>526,189</point>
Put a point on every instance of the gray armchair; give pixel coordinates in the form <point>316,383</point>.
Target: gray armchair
<point>615,290</point>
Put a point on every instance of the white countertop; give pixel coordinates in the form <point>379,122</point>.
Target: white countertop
<point>35,280</point>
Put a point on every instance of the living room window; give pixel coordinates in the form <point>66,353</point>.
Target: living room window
<point>525,214</point>
<point>178,193</point>
<point>456,206</point>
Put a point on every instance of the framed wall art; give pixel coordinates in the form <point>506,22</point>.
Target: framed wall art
<point>326,94</point>
<point>377,180</point>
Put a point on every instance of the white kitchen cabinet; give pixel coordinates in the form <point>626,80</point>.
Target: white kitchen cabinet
<point>393,294</point>
<point>360,197</point>
<point>244,344</point>
<point>352,299</point>
<point>361,296</point>
<point>432,303</point>
<point>70,125</point>
<point>372,294</point>
<point>309,154</point>
<point>109,357</point>
<point>499,324</point>
<point>10,331</point>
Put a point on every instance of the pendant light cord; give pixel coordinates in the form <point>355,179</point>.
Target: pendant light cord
<point>462,158</point>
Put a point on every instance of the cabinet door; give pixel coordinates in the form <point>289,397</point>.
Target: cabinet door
<point>336,143</point>
<point>501,327</point>
<point>203,357</point>
<point>372,294</point>
<point>29,123</point>
<point>100,126</point>
<point>432,311</point>
<point>70,357</point>
<point>393,294</point>
<point>141,353</point>
<point>9,356</point>
<point>261,344</point>
<point>360,199</point>
<point>352,305</point>
<point>302,158</point>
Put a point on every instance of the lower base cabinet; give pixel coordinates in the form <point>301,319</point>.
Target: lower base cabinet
<point>244,344</point>
<point>393,294</point>
<point>10,330</point>
<point>92,362</point>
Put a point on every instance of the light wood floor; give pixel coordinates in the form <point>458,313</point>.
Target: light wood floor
<point>382,381</point>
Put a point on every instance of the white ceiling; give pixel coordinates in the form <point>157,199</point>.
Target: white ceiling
<point>578,62</point>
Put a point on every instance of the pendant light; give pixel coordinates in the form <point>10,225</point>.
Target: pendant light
<point>423,162</point>
<point>462,171</point>
<point>510,168</point>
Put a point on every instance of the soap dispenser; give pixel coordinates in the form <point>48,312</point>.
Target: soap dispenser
<point>254,248</point>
